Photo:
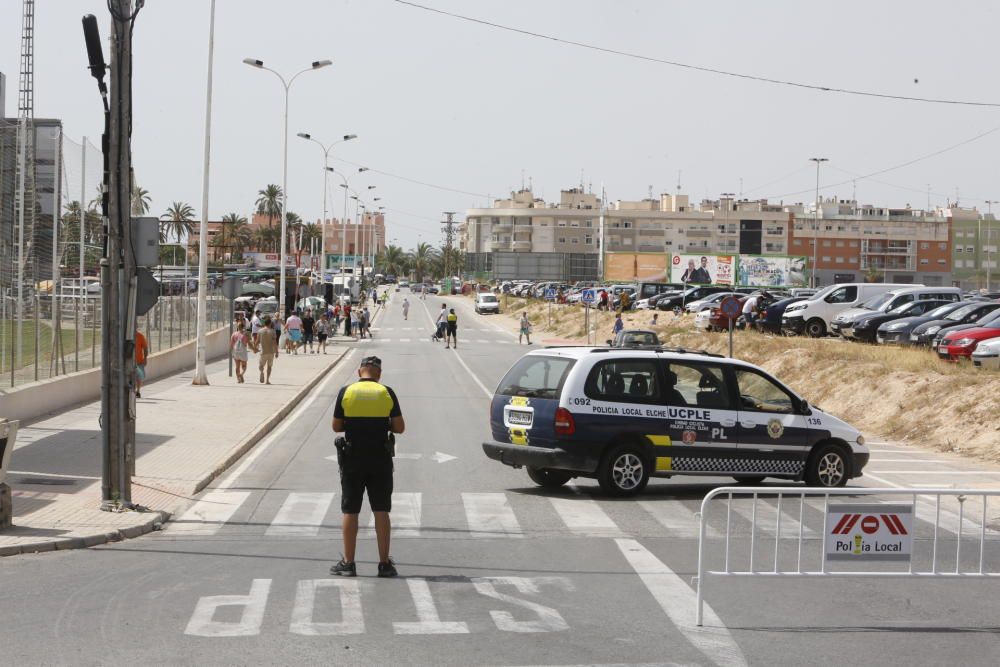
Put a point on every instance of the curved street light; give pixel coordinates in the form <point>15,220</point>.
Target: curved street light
<point>259,64</point>
<point>326,168</point>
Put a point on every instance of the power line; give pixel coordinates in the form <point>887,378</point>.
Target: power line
<point>698,68</point>
<point>413,180</point>
<point>895,167</point>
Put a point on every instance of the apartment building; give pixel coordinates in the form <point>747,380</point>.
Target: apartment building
<point>975,241</point>
<point>865,242</point>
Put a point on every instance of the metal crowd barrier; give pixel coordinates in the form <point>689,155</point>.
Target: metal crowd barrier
<point>848,535</point>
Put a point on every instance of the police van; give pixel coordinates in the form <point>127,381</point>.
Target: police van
<point>625,415</point>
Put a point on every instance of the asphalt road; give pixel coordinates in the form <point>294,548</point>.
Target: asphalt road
<point>494,571</point>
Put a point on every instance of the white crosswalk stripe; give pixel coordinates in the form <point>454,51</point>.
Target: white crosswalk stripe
<point>767,518</point>
<point>301,515</point>
<point>406,510</point>
<point>490,515</point>
<point>585,517</point>
<point>677,518</point>
<point>209,514</point>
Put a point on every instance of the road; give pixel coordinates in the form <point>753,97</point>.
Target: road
<point>494,571</point>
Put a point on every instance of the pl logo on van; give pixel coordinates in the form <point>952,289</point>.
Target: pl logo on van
<point>869,532</point>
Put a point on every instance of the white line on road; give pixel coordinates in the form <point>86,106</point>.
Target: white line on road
<point>904,460</point>
<point>209,514</point>
<point>300,515</point>
<point>935,472</point>
<point>673,596</point>
<point>677,518</point>
<point>275,435</point>
<point>490,515</point>
<point>49,474</point>
<point>585,517</point>
<point>429,622</point>
<point>406,510</point>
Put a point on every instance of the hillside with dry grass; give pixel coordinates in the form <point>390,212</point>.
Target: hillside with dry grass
<point>890,393</point>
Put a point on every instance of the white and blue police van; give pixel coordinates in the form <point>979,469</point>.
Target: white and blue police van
<point>625,415</point>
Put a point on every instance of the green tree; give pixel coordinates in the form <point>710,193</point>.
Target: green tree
<point>392,260</point>
<point>269,202</point>
<point>178,220</point>
<point>69,234</point>
<point>311,232</point>
<point>236,232</point>
<point>421,258</point>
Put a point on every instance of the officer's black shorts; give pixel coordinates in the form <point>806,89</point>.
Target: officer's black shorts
<point>376,476</point>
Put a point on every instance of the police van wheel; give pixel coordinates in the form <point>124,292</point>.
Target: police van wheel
<point>548,478</point>
<point>827,467</point>
<point>624,471</point>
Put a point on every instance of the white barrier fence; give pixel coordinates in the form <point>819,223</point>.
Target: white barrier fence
<point>876,539</point>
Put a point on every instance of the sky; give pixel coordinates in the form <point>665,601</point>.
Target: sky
<point>477,110</point>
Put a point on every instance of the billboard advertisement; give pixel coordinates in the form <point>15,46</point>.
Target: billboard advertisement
<point>761,271</point>
<point>642,266</point>
<point>703,269</point>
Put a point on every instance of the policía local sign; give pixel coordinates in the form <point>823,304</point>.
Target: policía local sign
<point>867,533</point>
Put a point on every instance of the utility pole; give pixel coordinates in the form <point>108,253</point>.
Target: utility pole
<point>118,269</point>
<point>449,234</point>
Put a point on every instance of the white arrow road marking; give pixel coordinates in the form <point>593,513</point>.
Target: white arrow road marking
<point>673,596</point>
<point>441,457</point>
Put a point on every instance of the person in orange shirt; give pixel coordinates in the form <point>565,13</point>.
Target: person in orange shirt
<point>141,352</point>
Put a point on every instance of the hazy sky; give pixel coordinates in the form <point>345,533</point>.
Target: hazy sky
<point>471,107</point>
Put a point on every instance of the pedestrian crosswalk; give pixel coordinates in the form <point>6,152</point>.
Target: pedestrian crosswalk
<point>427,339</point>
<point>514,515</point>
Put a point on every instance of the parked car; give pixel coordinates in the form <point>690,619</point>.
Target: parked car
<point>987,355</point>
<point>814,316</point>
<point>635,338</point>
<point>708,302</point>
<point>487,302</point>
<point>958,344</point>
<point>898,331</point>
<point>890,301</point>
<point>719,321</point>
<point>771,320</point>
<point>866,325</point>
<point>987,319</point>
<point>671,301</point>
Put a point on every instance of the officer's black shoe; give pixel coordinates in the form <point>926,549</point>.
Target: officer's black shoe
<point>344,569</point>
<point>387,569</point>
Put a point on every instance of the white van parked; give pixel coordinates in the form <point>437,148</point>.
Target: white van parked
<point>891,300</point>
<point>814,316</point>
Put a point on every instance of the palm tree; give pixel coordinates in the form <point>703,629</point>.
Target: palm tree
<point>269,202</point>
<point>420,259</point>
<point>311,232</point>
<point>140,200</point>
<point>179,220</point>
<point>235,235</point>
<point>392,260</point>
<point>293,227</point>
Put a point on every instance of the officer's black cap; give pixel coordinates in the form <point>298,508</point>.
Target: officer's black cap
<point>372,361</point>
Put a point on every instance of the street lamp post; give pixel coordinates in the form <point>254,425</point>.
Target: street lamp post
<point>815,266</point>
<point>284,172</point>
<point>343,220</point>
<point>326,169</point>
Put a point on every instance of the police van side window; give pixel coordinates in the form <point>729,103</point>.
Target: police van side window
<point>760,394</point>
<point>696,385</point>
<point>624,381</point>
<point>843,295</point>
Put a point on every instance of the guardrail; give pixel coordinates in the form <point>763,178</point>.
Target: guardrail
<point>875,533</point>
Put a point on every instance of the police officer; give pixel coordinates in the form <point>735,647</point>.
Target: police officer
<point>368,415</point>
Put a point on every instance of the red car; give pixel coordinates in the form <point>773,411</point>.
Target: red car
<point>962,343</point>
<point>719,321</point>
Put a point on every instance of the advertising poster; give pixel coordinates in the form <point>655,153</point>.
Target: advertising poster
<point>702,269</point>
<point>760,271</point>
<point>652,267</point>
<point>619,266</point>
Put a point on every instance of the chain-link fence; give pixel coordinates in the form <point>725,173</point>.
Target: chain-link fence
<point>50,252</point>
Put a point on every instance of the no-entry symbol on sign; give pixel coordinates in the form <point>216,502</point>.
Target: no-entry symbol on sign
<point>869,532</point>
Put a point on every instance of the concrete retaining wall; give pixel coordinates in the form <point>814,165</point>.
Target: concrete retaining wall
<point>33,401</point>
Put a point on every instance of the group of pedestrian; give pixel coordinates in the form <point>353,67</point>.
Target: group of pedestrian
<point>447,327</point>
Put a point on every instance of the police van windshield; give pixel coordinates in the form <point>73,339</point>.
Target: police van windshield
<point>536,377</point>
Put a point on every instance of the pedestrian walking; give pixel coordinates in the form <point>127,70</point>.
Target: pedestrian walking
<point>367,319</point>
<point>255,325</point>
<point>451,337</point>
<point>141,354</point>
<point>652,322</point>
<point>308,330</point>
<point>293,326</point>
<point>406,308</point>
<point>336,318</point>
<point>442,322</point>
<point>238,344</point>
<point>354,323</point>
<point>363,322</point>
<point>348,325</point>
<point>525,331</point>
<point>368,414</point>
<point>619,325</point>
<point>268,350</point>
<point>322,332</point>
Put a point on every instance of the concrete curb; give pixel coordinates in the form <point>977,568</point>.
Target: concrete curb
<point>158,517</point>
<point>155,522</point>
<point>263,429</point>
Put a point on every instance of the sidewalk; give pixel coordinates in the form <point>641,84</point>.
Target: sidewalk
<point>186,436</point>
